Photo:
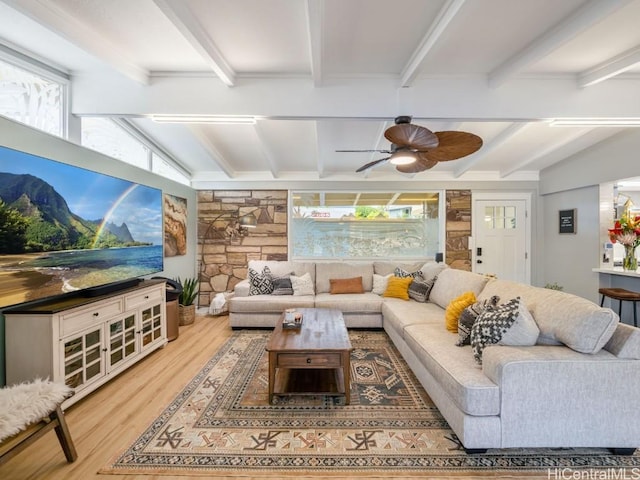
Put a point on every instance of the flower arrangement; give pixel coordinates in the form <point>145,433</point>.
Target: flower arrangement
<point>626,230</point>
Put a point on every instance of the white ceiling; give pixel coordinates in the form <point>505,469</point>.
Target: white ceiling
<point>324,75</point>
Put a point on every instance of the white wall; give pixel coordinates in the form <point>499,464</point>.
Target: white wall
<point>568,258</point>
<point>574,183</point>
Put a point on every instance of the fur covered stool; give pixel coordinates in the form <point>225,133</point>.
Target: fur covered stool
<point>28,411</point>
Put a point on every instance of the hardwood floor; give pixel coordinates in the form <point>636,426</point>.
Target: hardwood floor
<point>104,423</point>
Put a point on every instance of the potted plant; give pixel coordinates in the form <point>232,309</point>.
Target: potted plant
<point>186,307</point>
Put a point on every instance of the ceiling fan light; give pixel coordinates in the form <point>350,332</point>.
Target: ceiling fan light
<point>402,158</point>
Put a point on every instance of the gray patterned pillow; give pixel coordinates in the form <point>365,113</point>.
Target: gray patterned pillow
<point>420,288</point>
<point>260,283</point>
<point>507,324</point>
<point>282,285</point>
<point>468,318</point>
<point>402,273</point>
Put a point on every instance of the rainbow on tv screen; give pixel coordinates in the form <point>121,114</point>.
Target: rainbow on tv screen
<point>65,228</point>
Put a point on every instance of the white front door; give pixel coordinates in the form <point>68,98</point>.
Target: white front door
<point>501,238</point>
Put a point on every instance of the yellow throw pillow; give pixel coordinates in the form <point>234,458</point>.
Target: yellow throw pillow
<point>455,308</point>
<point>398,288</point>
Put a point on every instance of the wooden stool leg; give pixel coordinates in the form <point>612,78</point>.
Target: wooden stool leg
<point>64,436</point>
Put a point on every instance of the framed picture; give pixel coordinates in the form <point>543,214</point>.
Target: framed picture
<point>567,220</point>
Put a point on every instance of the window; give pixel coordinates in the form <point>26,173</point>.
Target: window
<point>164,168</point>
<point>104,136</point>
<point>500,218</point>
<point>32,99</point>
<point>364,225</point>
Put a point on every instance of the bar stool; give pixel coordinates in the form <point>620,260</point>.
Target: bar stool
<point>622,295</point>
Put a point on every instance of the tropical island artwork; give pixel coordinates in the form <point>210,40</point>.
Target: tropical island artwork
<point>65,228</point>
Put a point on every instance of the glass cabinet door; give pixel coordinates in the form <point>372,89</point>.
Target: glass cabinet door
<point>151,325</point>
<point>83,361</point>
<point>122,341</point>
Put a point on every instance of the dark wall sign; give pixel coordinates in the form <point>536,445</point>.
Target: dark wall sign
<point>567,220</point>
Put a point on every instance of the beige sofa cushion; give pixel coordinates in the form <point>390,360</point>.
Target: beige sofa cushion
<point>327,271</point>
<point>350,302</point>
<point>262,304</point>
<point>625,342</point>
<point>563,318</point>
<point>279,268</point>
<point>386,268</point>
<point>452,283</point>
<point>454,369</point>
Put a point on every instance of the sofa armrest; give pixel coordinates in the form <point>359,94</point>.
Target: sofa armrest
<point>553,396</point>
<point>242,288</point>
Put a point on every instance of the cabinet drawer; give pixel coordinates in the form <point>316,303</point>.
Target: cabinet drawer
<point>77,320</point>
<point>136,299</point>
<point>314,360</point>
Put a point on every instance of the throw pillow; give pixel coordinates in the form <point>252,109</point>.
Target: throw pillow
<point>260,283</point>
<point>469,316</point>
<point>455,308</point>
<point>398,288</point>
<point>402,273</point>
<point>380,283</point>
<point>507,324</point>
<point>282,285</point>
<point>345,285</point>
<point>419,289</point>
<point>302,285</point>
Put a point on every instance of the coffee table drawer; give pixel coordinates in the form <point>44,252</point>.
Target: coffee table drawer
<point>301,360</point>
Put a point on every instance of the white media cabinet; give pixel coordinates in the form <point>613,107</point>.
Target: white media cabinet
<point>84,342</point>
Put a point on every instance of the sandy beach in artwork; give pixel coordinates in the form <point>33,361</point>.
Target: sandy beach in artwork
<point>17,286</point>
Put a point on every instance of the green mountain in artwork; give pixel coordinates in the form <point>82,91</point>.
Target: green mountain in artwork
<point>34,217</point>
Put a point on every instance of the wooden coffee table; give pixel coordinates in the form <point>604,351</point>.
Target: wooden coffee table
<point>313,359</point>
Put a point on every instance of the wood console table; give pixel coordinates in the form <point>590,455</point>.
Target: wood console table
<point>84,342</point>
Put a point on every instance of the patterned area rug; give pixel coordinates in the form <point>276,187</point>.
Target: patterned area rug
<point>222,424</point>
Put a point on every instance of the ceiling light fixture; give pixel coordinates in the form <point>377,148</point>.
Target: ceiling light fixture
<point>404,157</point>
<point>596,122</point>
<point>212,119</point>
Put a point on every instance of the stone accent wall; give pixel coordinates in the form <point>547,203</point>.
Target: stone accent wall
<point>458,229</point>
<point>223,255</point>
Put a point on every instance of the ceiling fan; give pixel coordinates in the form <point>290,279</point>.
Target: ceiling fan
<point>415,148</point>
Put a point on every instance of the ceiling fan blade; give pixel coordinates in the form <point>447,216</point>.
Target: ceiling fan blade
<point>364,151</point>
<point>454,145</point>
<point>369,165</point>
<point>421,164</point>
<point>415,137</point>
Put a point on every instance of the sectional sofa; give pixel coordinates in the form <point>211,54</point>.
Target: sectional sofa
<point>576,387</point>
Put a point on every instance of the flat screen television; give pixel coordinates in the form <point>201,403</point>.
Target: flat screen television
<point>66,229</point>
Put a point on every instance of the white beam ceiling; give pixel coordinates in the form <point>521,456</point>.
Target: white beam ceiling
<point>446,14</point>
<point>179,13</point>
<point>585,16</point>
<point>509,132</point>
<point>69,27</point>
<point>610,68</point>
<point>216,157</point>
<point>315,23</point>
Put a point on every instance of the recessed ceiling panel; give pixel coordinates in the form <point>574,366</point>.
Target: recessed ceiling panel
<point>257,36</point>
<point>477,42</point>
<point>588,50</point>
<point>139,29</point>
<point>374,36</point>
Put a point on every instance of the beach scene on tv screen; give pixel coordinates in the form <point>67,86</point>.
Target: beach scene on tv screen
<point>65,228</point>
